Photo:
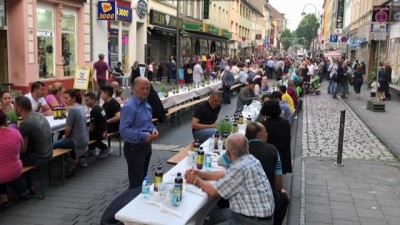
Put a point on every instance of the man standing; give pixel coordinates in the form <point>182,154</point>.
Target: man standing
<point>342,74</point>
<point>138,131</point>
<point>246,95</point>
<point>205,116</point>
<point>388,73</point>
<point>197,72</point>
<point>112,109</point>
<point>36,131</point>
<point>97,127</point>
<point>36,96</point>
<point>244,184</point>
<point>101,69</point>
<point>270,68</point>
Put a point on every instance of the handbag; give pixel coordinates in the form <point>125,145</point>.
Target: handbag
<point>189,71</point>
<point>335,77</point>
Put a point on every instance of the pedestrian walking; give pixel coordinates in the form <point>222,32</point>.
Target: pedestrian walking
<point>138,132</point>
<point>388,74</point>
<point>101,68</point>
<point>382,82</point>
<point>358,79</point>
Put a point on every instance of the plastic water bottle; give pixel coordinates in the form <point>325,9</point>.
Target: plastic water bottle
<point>146,188</point>
<point>176,195</point>
<point>208,162</point>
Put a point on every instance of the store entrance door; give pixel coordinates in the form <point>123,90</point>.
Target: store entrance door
<point>3,57</point>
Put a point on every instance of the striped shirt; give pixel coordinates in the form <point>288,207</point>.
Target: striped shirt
<point>247,188</point>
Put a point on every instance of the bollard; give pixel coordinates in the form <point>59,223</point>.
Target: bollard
<point>340,143</point>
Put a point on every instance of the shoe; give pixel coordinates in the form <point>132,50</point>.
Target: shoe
<point>104,153</point>
<point>82,162</point>
<point>334,97</point>
<point>91,153</point>
<point>358,95</point>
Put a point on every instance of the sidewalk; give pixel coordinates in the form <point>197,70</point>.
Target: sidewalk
<point>364,191</point>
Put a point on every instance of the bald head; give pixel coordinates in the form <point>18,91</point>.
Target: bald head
<point>237,145</point>
<point>115,85</point>
<point>141,87</point>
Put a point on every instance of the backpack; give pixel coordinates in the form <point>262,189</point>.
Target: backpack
<point>325,67</point>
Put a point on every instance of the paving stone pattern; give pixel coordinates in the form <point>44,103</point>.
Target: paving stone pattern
<point>362,192</point>
<point>321,116</point>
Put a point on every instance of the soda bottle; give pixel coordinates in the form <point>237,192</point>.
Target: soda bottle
<point>179,180</point>
<point>216,137</point>
<point>225,137</point>
<point>55,113</point>
<point>63,111</point>
<point>235,128</point>
<point>158,177</point>
<point>176,193</point>
<point>146,188</point>
<point>208,162</point>
<point>227,118</point>
<point>196,145</point>
<point>200,159</point>
<point>59,112</point>
<point>248,120</point>
<point>240,119</point>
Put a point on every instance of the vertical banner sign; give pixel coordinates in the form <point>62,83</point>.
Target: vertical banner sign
<point>2,13</point>
<point>340,14</point>
<point>206,9</point>
<point>380,22</point>
<point>81,80</point>
<point>106,10</point>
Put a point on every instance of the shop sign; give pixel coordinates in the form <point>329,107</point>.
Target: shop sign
<point>395,30</point>
<point>206,9</point>
<point>124,13</point>
<point>333,38</point>
<point>44,34</point>
<point>227,34</point>
<point>213,29</point>
<point>357,41</point>
<point>395,15</point>
<point>141,8</point>
<point>192,26</point>
<point>2,9</point>
<point>81,78</point>
<point>106,10</point>
<point>165,20</point>
<point>258,36</point>
<point>340,14</point>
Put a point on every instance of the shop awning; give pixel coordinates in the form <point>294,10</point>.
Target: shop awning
<point>357,42</point>
<point>204,35</point>
<point>332,54</point>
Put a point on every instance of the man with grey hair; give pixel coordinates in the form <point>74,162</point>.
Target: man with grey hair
<point>244,184</point>
<point>197,72</point>
<point>101,68</point>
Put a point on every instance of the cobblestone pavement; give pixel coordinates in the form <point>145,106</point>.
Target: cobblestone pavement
<point>321,116</point>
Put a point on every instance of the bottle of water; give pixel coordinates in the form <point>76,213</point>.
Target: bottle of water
<point>146,188</point>
<point>176,195</point>
<point>208,162</point>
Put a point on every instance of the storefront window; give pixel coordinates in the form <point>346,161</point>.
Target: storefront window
<point>113,47</point>
<point>68,40</point>
<point>45,38</point>
<point>125,48</point>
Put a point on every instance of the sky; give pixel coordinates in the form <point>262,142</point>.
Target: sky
<point>293,9</point>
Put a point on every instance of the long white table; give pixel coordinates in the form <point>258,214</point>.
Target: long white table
<point>182,96</point>
<point>59,125</point>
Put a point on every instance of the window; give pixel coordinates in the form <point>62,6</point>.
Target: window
<point>68,41</point>
<point>45,40</point>
<point>125,47</point>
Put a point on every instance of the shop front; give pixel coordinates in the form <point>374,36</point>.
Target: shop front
<point>49,40</point>
<point>161,40</point>
<point>394,52</point>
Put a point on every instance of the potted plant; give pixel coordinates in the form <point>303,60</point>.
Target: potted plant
<point>224,127</point>
<point>163,90</point>
<point>12,118</point>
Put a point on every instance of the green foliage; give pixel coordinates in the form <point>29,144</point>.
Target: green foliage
<point>224,126</point>
<point>286,39</point>
<point>12,117</point>
<point>163,88</point>
<point>372,75</point>
<point>307,29</point>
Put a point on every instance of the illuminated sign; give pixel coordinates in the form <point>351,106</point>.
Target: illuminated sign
<point>106,10</point>
<point>165,20</point>
<point>141,8</point>
<point>124,13</point>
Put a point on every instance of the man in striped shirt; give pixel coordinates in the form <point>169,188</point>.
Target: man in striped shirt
<point>244,184</point>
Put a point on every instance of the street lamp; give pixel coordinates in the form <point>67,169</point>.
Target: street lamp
<point>309,4</point>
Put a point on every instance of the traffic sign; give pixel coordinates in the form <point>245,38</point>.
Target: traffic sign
<point>379,27</point>
<point>379,36</point>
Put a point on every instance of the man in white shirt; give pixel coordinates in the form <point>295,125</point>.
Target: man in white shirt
<point>36,96</point>
<point>235,70</point>
<point>197,72</point>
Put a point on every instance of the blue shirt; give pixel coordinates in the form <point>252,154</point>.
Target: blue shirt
<point>136,120</point>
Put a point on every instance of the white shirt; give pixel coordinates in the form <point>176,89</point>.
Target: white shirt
<point>311,69</point>
<point>36,105</point>
<point>235,71</point>
<point>197,71</point>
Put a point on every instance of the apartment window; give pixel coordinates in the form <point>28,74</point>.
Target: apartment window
<point>45,40</point>
<point>68,41</point>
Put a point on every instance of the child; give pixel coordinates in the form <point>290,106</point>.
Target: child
<point>374,86</point>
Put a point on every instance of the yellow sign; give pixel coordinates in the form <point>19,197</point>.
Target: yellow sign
<point>81,79</point>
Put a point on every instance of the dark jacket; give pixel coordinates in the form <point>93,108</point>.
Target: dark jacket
<point>278,130</point>
<point>388,73</point>
<point>158,109</point>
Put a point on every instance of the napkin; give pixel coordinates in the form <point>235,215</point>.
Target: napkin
<point>163,208</point>
<point>195,190</point>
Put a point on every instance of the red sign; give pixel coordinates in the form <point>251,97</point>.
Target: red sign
<point>261,48</point>
<point>243,39</point>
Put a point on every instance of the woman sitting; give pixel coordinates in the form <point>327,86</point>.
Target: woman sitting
<point>54,96</point>
<point>5,102</point>
<point>10,164</point>
<point>76,131</point>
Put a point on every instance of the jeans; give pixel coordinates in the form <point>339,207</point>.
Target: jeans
<point>101,83</point>
<point>357,85</point>
<point>138,159</point>
<point>228,217</point>
<point>66,143</point>
<point>339,87</point>
<point>203,134</point>
<point>331,86</point>
<point>226,95</point>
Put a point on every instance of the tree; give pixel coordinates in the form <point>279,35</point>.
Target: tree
<point>286,39</point>
<point>307,29</point>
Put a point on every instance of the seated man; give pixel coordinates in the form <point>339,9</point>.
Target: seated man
<point>97,127</point>
<point>205,116</point>
<point>38,140</point>
<point>112,109</point>
<point>269,158</point>
<point>287,113</point>
<point>246,95</point>
<point>244,184</point>
<point>36,96</point>
<point>117,92</point>
<point>286,97</point>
